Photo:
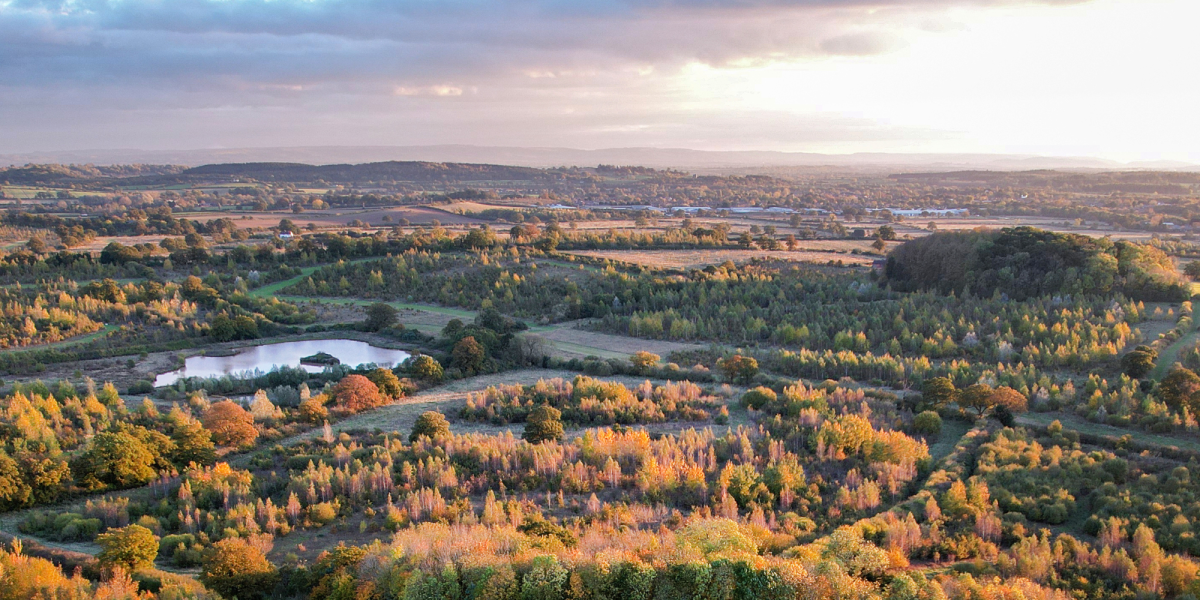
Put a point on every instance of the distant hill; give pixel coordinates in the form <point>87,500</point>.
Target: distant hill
<point>129,175</point>
<point>52,174</point>
<point>382,171</point>
<point>1134,182</point>
<point>680,158</point>
<point>1024,262</point>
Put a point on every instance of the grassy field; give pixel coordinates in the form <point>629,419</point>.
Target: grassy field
<point>1081,425</point>
<point>694,259</point>
<point>566,337</point>
<point>1170,355</point>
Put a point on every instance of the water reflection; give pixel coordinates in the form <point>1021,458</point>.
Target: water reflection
<point>263,358</point>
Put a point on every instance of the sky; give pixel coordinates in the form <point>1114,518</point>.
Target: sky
<point>1100,78</point>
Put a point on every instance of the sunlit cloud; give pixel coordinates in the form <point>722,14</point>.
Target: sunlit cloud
<point>816,75</point>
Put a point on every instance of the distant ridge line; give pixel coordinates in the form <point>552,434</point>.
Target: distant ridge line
<point>680,158</point>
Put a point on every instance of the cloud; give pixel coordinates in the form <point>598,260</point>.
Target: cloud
<point>358,58</point>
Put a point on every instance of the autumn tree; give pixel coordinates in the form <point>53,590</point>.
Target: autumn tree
<point>231,425</point>
<point>115,458</point>
<point>1010,399</point>
<point>644,361</point>
<point>355,393</point>
<point>131,548</point>
<point>544,424</point>
<point>738,368</point>
<point>313,408</point>
<point>235,568</point>
<point>432,424</point>
<point>193,443</point>
<point>981,397</point>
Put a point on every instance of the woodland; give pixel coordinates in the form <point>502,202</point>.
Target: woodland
<point>988,412</point>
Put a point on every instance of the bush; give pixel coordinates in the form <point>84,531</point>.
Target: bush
<point>928,423</point>
<point>322,513</point>
<point>143,386</point>
<point>758,397</point>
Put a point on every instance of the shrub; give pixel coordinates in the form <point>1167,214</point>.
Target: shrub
<point>758,397</point>
<point>928,423</point>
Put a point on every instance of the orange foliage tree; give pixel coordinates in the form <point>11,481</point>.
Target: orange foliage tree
<point>355,393</point>
<point>230,424</point>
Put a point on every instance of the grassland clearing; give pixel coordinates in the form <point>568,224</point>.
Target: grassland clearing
<point>695,259</point>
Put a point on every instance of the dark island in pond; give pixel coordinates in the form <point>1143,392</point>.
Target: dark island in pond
<point>320,359</point>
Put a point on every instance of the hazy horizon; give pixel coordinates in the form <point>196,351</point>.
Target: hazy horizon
<point>680,158</point>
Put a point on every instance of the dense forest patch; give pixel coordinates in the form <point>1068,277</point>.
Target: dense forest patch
<point>1024,262</point>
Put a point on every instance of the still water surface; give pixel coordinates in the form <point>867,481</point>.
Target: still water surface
<point>263,358</point>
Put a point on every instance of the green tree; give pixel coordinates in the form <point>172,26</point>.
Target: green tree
<point>886,232</point>
<point>389,385</point>
<point>234,568</point>
<point>1192,270</point>
<point>1139,362</point>
<point>131,548</point>
<point>976,397</point>
<point>380,316</point>
<point>425,368</point>
<point>1179,388</point>
<point>432,424</point>
<point>193,443</point>
<point>543,424</point>
<point>468,355</point>
<point>937,392</point>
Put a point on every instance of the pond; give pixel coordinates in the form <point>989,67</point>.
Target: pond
<point>263,358</point>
